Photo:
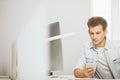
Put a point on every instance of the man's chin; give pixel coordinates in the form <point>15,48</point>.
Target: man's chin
<point>95,43</point>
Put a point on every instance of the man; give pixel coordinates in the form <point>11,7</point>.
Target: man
<point>101,58</point>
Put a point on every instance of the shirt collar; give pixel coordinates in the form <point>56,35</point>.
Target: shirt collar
<point>92,46</point>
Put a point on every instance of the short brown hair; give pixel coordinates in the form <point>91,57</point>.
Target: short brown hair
<point>94,21</point>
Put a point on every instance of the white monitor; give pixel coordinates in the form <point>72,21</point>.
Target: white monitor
<point>55,48</point>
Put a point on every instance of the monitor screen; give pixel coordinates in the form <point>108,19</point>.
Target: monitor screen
<point>55,48</point>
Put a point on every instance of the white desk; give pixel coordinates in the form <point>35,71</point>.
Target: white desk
<point>5,79</point>
<point>67,77</point>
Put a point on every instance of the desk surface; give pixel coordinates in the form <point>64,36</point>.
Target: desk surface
<point>67,77</point>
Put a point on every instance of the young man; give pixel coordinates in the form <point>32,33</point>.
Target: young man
<point>101,58</point>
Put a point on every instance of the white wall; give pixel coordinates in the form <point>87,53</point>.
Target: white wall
<point>115,20</point>
<point>14,16</point>
<point>72,15</point>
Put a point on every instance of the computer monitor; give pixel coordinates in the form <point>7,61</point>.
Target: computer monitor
<point>55,48</point>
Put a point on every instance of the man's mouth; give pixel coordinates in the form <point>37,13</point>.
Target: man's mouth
<point>94,40</point>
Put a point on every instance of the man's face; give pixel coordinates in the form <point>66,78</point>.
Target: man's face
<point>97,35</point>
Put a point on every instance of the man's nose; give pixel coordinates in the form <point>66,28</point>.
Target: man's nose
<point>94,36</point>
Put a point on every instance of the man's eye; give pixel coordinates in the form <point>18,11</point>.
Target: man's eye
<point>91,33</point>
<point>97,33</point>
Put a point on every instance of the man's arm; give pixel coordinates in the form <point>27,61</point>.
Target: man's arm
<point>87,72</point>
<point>78,73</point>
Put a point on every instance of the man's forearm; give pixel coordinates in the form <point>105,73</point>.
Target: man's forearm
<point>79,73</point>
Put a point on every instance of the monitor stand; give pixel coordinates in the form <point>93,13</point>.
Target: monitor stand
<point>50,73</point>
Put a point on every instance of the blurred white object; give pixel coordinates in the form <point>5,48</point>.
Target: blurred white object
<point>60,36</point>
<point>31,48</point>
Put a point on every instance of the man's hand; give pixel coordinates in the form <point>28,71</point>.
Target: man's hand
<point>88,71</point>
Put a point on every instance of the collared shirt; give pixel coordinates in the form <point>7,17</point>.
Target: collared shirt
<point>102,67</point>
<point>112,55</point>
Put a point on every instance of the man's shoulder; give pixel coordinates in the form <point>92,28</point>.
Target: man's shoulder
<point>113,43</point>
<point>88,44</point>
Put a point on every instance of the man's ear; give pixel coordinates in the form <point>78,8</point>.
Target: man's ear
<point>106,31</point>
<point>88,31</point>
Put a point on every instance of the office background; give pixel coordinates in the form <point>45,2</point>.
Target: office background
<point>72,15</point>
